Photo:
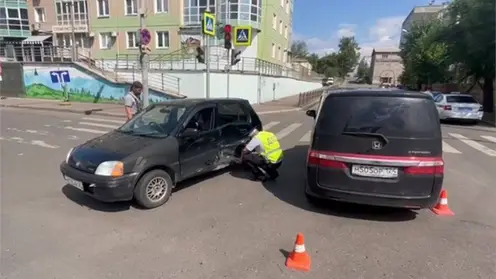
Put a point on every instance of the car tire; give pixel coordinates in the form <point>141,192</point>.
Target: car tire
<point>153,189</point>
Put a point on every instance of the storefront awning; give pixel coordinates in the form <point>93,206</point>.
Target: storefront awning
<point>33,40</point>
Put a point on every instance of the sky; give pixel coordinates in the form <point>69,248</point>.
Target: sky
<point>374,23</point>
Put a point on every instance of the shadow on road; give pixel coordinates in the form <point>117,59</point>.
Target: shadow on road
<point>82,199</point>
<point>289,188</point>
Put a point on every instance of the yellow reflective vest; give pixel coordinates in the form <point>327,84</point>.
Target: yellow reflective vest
<point>272,149</point>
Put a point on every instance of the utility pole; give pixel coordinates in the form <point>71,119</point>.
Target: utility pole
<point>228,66</point>
<point>144,59</point>
<point>206,40</point>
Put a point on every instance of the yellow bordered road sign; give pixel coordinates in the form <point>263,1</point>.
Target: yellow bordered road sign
<point>242,36</point>
<point>209,23</point>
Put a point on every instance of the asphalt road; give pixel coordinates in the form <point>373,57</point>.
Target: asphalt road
<point>225,226</point>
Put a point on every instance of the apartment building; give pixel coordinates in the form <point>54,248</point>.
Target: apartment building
<point>108,28</point>
<point>386,66</point>
<point>14,22</point>
<point>421,14</point>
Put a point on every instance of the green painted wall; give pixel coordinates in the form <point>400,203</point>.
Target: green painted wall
<point>270,35</point>
<point>123,24</point>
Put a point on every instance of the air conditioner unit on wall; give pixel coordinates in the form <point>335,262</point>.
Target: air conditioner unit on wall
<point>36,26</point>
<point>114,34</point>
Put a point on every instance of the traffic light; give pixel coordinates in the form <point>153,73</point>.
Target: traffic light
<point>228,36</point>
<point>235,56</point>
<point>200,54</point>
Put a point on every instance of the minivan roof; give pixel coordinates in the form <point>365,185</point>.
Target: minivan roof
<point>382,92</point>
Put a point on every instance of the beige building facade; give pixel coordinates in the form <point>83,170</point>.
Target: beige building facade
<point>386,66</point>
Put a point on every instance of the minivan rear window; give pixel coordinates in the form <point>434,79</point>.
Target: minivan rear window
<point>403,117</point>
<point>461,99</point>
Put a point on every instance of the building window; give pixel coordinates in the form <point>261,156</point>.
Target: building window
<point>385,56</point>
<point>64,12</point>
<point>246,10</point>
<point>274,21</point>
<point>105,40</point>
<point>279,53</point>
<point>285,31</point>
<point>287,6</point>
<point>193,10</point>
<point>282,3</point>
<point>273,50</point>
<point>131,7</point>
<point>39,15</point>
<point>285,56</point>
<point>163,39</point>
<point>280,27</point>
<point>14,19</point>
<point>132,40</point>
<point>161,6</point>
<point>103,8</point>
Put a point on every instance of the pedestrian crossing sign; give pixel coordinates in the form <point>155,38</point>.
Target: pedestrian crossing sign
<point>209,24</point>
<point>242,36</point>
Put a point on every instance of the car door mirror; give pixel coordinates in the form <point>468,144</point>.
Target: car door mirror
<point>190,132</point>
<point>311,113</point>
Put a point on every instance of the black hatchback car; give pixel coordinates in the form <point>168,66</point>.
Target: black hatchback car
<point>376,147</point>
<point>161,146</point>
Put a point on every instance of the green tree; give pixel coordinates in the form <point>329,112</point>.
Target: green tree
<point>425,57</point>
<point>470,35</point>
<point>363,71</point>
<point>299,49</point>
<point>347,56</point>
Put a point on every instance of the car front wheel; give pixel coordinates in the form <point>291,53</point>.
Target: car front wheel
<point>153,189</point>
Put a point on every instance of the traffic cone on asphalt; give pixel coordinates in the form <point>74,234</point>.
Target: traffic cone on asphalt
<point>442,207</point>
<point>299,259</point>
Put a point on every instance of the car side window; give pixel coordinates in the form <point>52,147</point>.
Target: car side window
<point>232,113</point>
<point>202,120</point>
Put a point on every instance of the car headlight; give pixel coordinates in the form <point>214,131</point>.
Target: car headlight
<point>68,155</point>
<point>110,168</point>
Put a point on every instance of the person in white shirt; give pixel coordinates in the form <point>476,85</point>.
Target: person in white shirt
<point>132,100</point>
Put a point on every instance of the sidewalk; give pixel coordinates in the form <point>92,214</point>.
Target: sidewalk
<point>116,110</point>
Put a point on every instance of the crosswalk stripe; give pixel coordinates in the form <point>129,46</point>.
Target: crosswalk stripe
<point>482,148</point>
<point>306,137</point>
<point>270,125</point>
<point>99,125</point>
<point>489,138</point>
<point>85,130</point>
<point>288,130</point>
<point>103,120</point>
<point>450,149</point>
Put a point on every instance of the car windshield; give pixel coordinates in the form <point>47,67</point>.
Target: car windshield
<point>461,99</point>
<point>392,117</point>
<point>155,121</point>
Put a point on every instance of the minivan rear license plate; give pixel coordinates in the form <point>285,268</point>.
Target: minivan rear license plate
<point>370,171</point>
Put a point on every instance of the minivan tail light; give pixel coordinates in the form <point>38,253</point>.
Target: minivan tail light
<point>447,107</point>
<point>426,167</point>
<point>323,160</point>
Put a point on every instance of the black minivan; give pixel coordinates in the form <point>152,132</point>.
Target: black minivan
<point>376,147</point>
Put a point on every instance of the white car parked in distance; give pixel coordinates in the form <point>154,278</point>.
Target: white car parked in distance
<point>456,106</point>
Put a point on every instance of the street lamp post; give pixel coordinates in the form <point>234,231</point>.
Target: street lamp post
<point>70,5</point>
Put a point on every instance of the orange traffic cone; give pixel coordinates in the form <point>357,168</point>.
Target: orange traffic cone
<point>441,207</point>
<point>299,259</point>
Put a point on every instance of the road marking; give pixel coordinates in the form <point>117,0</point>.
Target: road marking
<point>39,143</point>
<point>270,125</point>
<point>489,138</point>
<point>44,144</point>
<point>85,130</point>
<point>450,149</point>
<point>288,130</point>
<point>482,148</point>
<point>306,137</point>
<point>103,120</point>
<point>99,125</point>
<point>43,133</point>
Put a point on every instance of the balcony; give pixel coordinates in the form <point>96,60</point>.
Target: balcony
<point>64,24</point>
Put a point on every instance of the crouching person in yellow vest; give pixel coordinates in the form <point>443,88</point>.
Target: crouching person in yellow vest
<point>263,154</point>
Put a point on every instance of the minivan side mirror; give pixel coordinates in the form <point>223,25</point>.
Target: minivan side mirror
<point>311,113</point>
<point>190,132</point>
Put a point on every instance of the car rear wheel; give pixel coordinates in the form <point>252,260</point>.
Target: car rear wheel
<point>153,189</point>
